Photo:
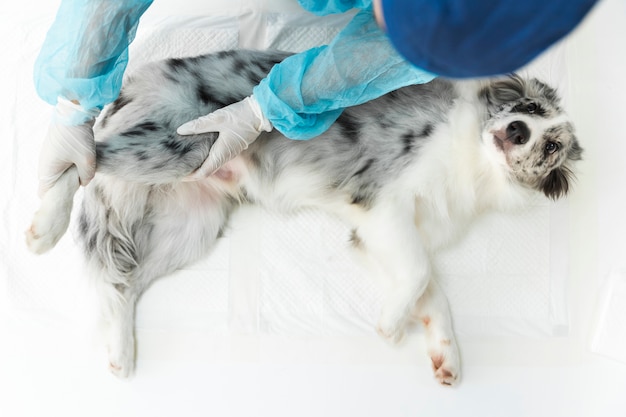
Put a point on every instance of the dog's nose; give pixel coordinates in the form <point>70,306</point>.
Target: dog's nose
<point>518,132</point>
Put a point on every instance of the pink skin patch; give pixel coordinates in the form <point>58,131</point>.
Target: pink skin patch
<point>224,173</point>
<point>500,139</point>
<point>437,362</point>
<point>229,172</point>
<point>444,376</point>
<point>232,171</point>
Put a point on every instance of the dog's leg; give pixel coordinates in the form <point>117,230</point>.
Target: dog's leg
<point>159,232</point>
<point>390,237</point>
<point>119,303</point>
<point>51,220</point>
<point>433,311</point>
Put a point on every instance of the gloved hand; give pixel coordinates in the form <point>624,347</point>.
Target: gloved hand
<point>69,142</point>
<point>238,124</point>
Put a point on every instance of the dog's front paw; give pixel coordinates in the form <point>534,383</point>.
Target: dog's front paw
<point>392,335</point>
<point>446,362</point>
<point>391,328</point>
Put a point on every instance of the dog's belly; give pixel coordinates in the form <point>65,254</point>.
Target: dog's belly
<point>294,188</point>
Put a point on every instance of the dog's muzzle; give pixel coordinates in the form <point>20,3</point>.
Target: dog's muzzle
<point>515,133</point>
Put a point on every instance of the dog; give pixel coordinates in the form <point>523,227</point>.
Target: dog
<point>407,171</point>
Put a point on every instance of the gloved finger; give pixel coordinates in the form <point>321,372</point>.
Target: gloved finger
<point>212,164</point>
<point>66,146</point>
<point>228,145</point>
<point>48,178</point>
<point>204,124</point>
<point>215,161</point>
<point>86,171</point>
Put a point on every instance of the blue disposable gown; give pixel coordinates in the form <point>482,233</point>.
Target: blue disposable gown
<point>85,54</point>
<point>306,93</point>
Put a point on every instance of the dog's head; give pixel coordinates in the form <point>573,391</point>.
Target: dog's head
<point>530,134</point>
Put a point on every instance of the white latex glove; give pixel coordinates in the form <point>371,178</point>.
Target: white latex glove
<point>238,125</point>
<point>69,142</point>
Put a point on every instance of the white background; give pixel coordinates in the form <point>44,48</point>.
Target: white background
<point>49,368</point>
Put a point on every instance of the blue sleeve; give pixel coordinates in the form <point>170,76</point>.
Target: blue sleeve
<point>325,7</point>
<point>85,52</point>
<point>303,95</point>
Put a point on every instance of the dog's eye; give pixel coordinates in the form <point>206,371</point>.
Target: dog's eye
<point>552,147</point>
<point>529,108</point>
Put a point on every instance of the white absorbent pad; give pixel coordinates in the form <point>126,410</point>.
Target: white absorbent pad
<point>609,335</point>
<point>272,273</point>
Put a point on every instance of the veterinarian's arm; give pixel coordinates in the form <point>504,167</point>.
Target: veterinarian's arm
<point>85,52</point>
<point>79,70</point>
<point>303,95</point>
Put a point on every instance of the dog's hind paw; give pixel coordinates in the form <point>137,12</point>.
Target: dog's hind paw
<point>45,232</point>
<point>121,355</point>
<point>122,362</point>
<point>121,371</point>
<point>51,220</point>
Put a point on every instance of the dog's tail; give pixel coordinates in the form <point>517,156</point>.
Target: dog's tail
<point>163,159</point>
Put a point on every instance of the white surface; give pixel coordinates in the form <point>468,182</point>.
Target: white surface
<point>222,344</point>
<point>609,337</point>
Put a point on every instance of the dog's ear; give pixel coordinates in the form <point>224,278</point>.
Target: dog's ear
<point>556,184</point>
<point>536,88</point>
<point>575,152</point>
<point>503,91</point>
